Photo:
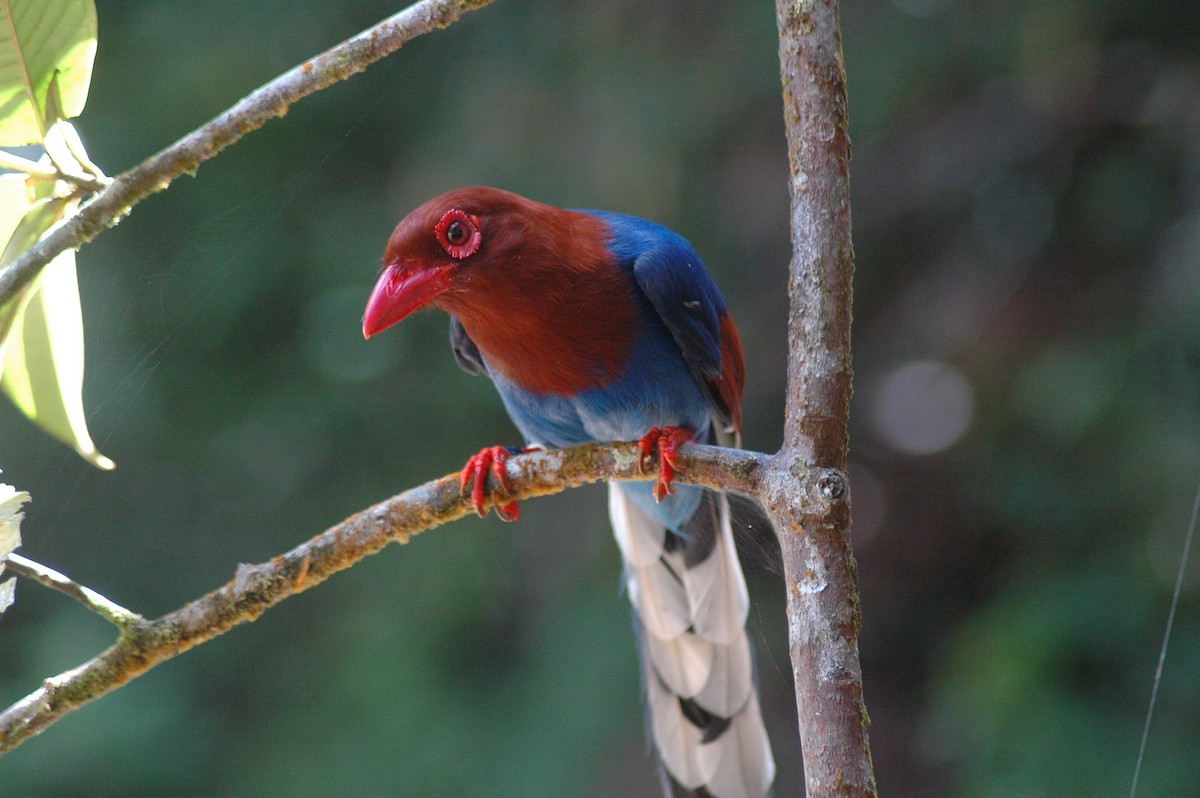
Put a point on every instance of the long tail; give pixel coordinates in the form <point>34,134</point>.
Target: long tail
<point>689,597</point>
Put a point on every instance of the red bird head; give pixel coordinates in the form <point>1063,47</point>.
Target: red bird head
<point>534,285</point>
<point>424,258</point>
<point>461,246</point>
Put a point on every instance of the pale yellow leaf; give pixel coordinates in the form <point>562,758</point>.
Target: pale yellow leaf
<point>65,149</point>
<point>11,501</point>
<point>7,593</point>
<point>16,203</point>
<point>43,360</point>
<point>43,43</point>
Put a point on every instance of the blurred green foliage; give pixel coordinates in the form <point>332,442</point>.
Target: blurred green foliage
<point>1026,190</point>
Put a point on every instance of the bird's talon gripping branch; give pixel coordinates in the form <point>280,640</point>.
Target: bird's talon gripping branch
<point>667,441</point>
<point>490,460</point>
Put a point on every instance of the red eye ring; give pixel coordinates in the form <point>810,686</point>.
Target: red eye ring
<point>458,233</point>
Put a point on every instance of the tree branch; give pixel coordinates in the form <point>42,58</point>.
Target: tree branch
<point>254,588</point>
<point>806,490</point>
<point>81,182</point>
<point>105,608</point>
<point>271,100</point>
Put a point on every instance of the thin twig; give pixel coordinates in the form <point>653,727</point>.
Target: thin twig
<point>269,101</point>
<point>83,183</point>
<point>254,588</point>
<point>102,606</point>
<point>14,162</point>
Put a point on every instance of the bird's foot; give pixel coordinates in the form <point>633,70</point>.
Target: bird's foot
<point>667,441</point>
<point>490,460</point>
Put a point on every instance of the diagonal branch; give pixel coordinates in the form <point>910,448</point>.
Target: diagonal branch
<point>254,588</point>
<point>270,100</point>
<point>104,607</point>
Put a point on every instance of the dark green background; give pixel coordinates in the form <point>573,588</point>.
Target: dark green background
<point>1026,184</point>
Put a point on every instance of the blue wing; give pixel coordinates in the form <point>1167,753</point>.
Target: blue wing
<point>675,281</point>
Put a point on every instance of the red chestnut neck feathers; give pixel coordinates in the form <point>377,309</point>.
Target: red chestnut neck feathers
<point>542,297</point>
<point>733,375</point>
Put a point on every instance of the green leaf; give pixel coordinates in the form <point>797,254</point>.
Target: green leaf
<point>11,501</point>
<point>41,330</point>
<point>43,360</point>
<point>32,218</point>
<point>45,45</point>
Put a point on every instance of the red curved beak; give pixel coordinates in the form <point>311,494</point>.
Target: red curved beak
<point>400,291</point>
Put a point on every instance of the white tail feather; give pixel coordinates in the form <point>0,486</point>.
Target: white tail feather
<point>677,739</point>
<point>640,538</point>
<point>740,759</point>
<point>731,679</point>
<point>685,663</point>
<point>659,599</point>
<point>695,647</point>
<point>716,589</point>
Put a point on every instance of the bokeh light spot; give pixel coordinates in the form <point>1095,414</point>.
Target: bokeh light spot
<point>925,406</point>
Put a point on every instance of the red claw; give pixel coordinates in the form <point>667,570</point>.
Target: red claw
<point>667,441</point>
<point>492,459</point>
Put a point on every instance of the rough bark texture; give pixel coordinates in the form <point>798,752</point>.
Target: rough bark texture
<point>806,489</point>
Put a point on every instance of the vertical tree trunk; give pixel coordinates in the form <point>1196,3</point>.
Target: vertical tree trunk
<point>807,490</point>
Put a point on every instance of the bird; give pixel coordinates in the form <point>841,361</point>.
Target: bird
<point>600,326</point>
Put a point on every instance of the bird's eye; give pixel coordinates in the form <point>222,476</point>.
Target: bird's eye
<point>458,233</point>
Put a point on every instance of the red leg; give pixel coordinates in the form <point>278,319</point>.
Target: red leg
<point>667,441</point>
<point>492,459</point>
